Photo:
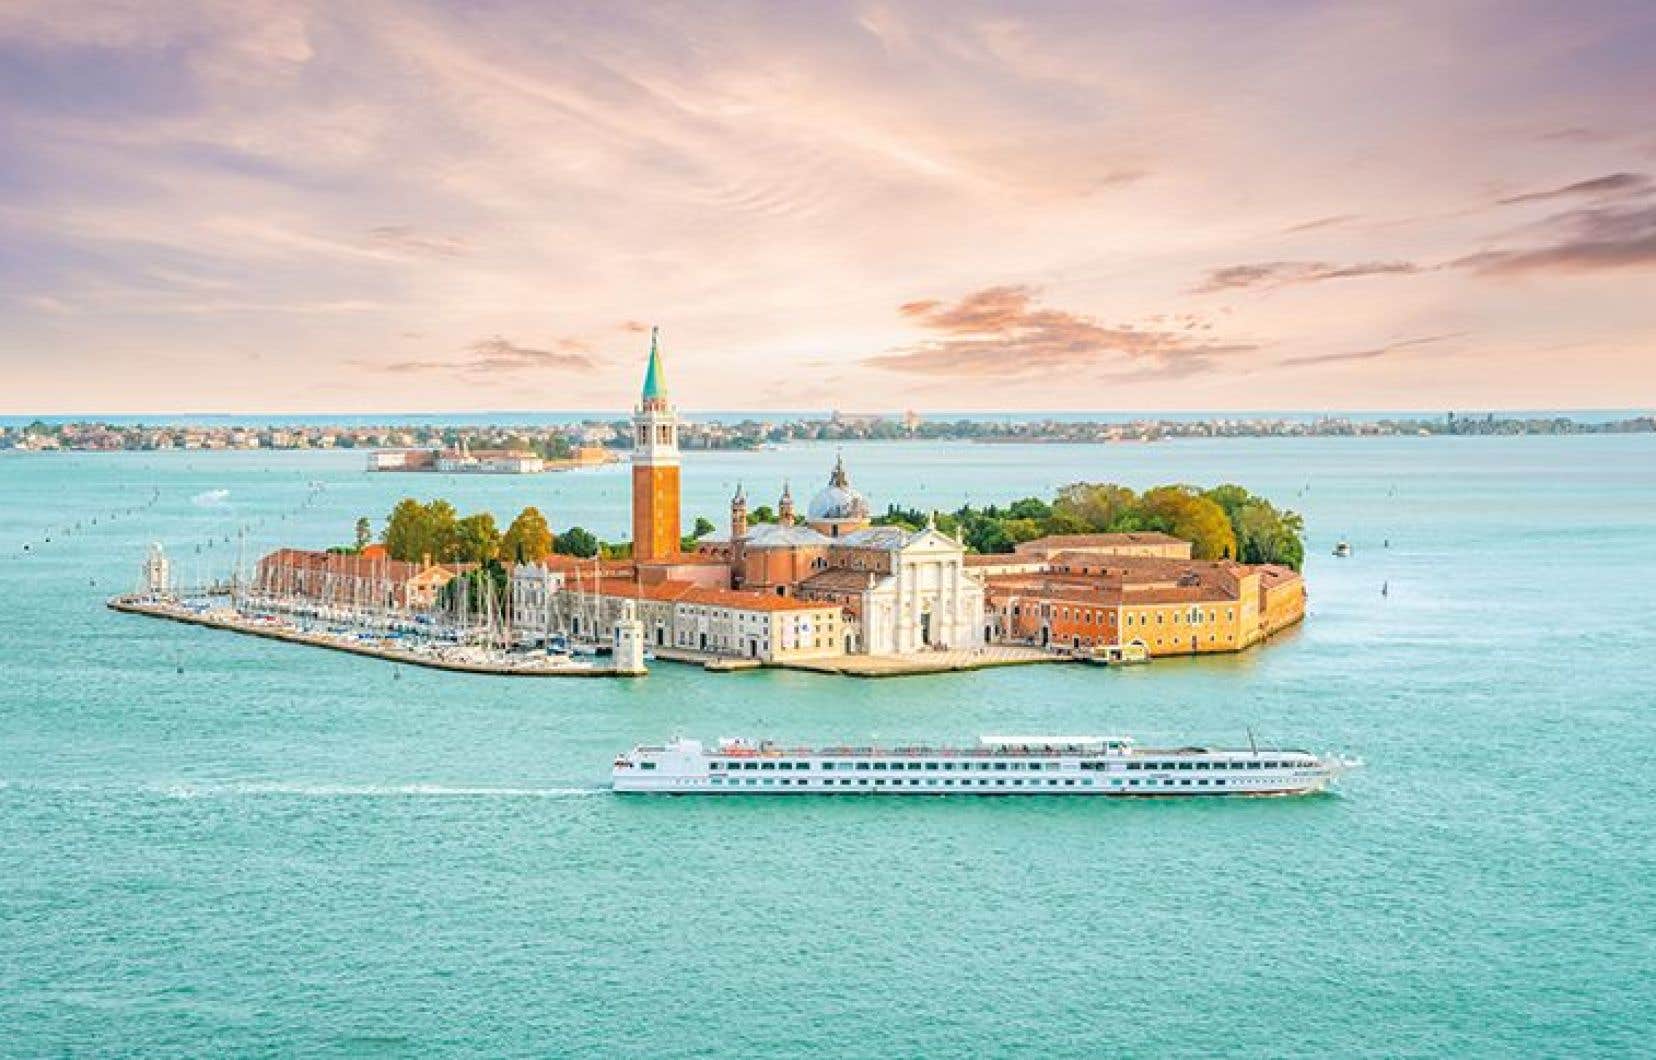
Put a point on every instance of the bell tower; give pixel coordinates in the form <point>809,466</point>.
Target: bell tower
<point>655,467</point>
<point>738,515</point>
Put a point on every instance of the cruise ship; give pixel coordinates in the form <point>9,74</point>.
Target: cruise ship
<point>998,765</point>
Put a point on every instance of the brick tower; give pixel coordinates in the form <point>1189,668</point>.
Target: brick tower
<point>655,468</point>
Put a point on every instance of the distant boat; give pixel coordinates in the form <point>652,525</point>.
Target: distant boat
<point>1343,549</point>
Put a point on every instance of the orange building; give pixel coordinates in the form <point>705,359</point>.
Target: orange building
<point>1164,606</point>
<point>655,475</point>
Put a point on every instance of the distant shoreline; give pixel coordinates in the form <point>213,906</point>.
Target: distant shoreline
<point>550,440</point>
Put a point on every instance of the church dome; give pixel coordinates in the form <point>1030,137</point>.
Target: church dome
<point>837,501</point>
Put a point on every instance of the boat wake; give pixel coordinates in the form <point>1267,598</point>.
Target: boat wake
<point>373,791</point>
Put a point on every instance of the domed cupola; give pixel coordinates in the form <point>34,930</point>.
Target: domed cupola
<point>838,508</point>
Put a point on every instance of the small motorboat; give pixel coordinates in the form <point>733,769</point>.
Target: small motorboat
<point>1343,549</point>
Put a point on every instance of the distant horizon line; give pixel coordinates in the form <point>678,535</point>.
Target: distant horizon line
<point>390,418</point>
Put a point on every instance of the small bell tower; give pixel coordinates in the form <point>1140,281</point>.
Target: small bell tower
<point>738,515</point>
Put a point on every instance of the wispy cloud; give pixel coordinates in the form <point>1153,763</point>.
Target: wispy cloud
<point>1613,185</point>
<point>1369,354</point>
<point>495,356</point>
<point>1590,240</point>
<point>1321,222</point>
<point>1001,331</point>
<point>409,240</point>
<point>1272,274</point>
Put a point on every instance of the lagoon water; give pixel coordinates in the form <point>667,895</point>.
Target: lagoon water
<point>213,844</point>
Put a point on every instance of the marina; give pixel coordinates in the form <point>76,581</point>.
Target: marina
<point>457,658</point>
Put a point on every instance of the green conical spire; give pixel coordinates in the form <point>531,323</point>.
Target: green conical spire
<point>655,380</point>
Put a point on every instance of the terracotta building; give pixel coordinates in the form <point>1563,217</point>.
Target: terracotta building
<point>1163,606</point>
<point>1152,543</point>
<point>337,579</point>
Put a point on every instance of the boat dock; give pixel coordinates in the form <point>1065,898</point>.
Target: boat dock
<point>497,664</point>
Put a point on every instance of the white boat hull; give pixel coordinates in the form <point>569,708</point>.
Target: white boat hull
<point>685,768</point>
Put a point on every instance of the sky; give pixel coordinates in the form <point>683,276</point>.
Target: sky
<point>262,206</point>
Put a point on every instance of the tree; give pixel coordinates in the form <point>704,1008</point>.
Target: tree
<point>1065,523</point>
<point>364,533</point>
<point>1182,512</point>
<point>443,520</point>
<point>1029,508</point>
<point>476,539</point>
<point>1100,507</point>
<point>576,541</point>
<point>1265,535</point>
<point>528,539</point>
<point>1230,497</point>
<point>762,514</point>
<point>703,527</point>
<point>415,532</point>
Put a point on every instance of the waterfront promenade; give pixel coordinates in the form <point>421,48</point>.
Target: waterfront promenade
<point>930,662</point>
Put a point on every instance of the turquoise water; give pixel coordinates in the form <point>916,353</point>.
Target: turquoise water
<point>282,851</point>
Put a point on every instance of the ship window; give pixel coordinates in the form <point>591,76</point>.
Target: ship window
<point>931,765</point>
<point>751,782</point>
<point>1202,782</point>
<point>715,765</point>
<point>647,765</point>
<point>1185,782</point>
<point>1035,767</point>
<point>931,782</point>
<point>1218,782</point>
<point>1186,765</point>
<point>1000,781</point>
<point>948,782</point>
<point>1133,783</point>
<point>825,765</point>
<point>863,781</point>
<point>1069,782</point>
<point>767,765</point>
<point>1134,766</point>
<point>1253,765</point>
<point>1116,782</point>
<point>1202,765</point>
<point>1000,765</point>
<point>770,780</point>
<point>862,765</point>
<point>914,765</point>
